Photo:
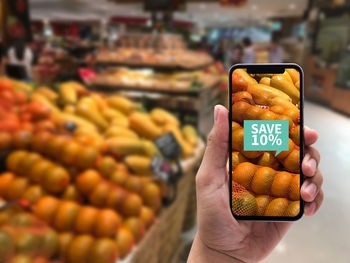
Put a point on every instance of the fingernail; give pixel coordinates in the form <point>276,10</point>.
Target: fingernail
<point>312,165</point>
<point>216,113</point>
<point>311,189</point>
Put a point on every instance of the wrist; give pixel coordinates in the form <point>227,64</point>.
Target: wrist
<point>201,253</point>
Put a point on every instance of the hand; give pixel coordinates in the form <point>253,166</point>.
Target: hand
<point>220,237</point>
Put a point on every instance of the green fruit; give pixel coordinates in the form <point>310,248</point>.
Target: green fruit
<point>50,244</point>
<point>27,243</point>
<point>244,204</point>
<point>24,220</point>
<point>6,246</point>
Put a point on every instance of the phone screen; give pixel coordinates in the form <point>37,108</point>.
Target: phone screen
<point>266,141</point>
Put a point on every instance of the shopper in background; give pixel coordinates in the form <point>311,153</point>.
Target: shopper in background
<point>276,50</point>
<point>220,237</point>
<point>20,56</point>
<point>248,51</point>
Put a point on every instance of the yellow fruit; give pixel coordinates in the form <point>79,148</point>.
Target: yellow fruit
<point>66,215</point>
<point>244,204</point>
<point>106,166</point>
<point>244,173</point>
<point>87,157</point>
<point>147,216</point>
<point>120,132</point>
<point>294,74</point>
<point>107,223</point>
<point>262,202</point>
<point>143,125</point>
<point>162,117</point>
<point>277,207</point>
<point>80,248</point>
<point>124,146</point>
<point>91,114</point>
<point>46,208</point>
<point>262,180</point>
<point>125,241</point>
<point>70,151</point>
<point>187,149</point>
<point>87,181</point>
<point>121,104</point>
<point>281,83</point>
<point>55,180</point>
<point>119,177</point>
<point>139,164</point>
<point>104,250</point>
<point>265,80</point>
<point>190,135</point>
<point>246,77</point>
<point>86,220</point>
<point>293,209</point>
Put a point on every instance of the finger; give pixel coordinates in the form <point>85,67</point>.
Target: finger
<point>310,161</point>
<point>310,136</point>
<point>311,208</point>
<point>216,154</point>
<point>311,187</point>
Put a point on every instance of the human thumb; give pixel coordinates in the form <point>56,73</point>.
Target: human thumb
<point>213,167</point>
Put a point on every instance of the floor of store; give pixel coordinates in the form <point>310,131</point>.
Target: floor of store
<point>325,236</point>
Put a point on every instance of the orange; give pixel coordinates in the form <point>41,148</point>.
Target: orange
<point>87,157</point>
<point>293,209</point>
<point>71,193</point>
<point>50,245</point>
<point>107,223</point>
<point>262,180</point>
<point>136,226</point>
<point>22,139</point>
<point>70,151</point>
<point>54,146</point>
<point>99,194</point>
<point>147,216</point>
<point>237,158</point>
<point>79,249</point>
<point>253,113</point>
<point>87,181</point>
<point>152,196</point>
<point>106,166</point>
<point>237,139</point>
<point>262,201</point>
<point>244,204</point>
<point>292,162</point>
<point>268,160</point>
<point>66,215</point>
<point>55,180</point>
<point>277,207</point>
<point>5,180</point>
<point>244,173</point>
<point>268,115</point>
<point>294,188</point>
<point>6,84</point>
<point>13,160</point>
<point>125,241</point>
<point>280,184</point>
<point>40,141</point>
<point>65,239</point>
<point>86,220</point>
<point>46,208</point>
<point>116,198</point>
<point>33,193</point>
<point>132,205</point>
<point>295,135</point>
<point>104,250</point>
<point>238,110</point>
<point>38,170</point>
<point>16,189</point>
<point>284,154</point>
<point>25,164</point>
<point>5,141</point>
<point>134,184</point>
<point>119,177</point>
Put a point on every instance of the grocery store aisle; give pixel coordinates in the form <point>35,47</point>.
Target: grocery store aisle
<point>325,236</point>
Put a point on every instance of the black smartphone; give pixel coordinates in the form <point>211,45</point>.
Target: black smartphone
<point>266,145</point>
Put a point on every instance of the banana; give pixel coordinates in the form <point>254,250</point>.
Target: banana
<point>294,74</point>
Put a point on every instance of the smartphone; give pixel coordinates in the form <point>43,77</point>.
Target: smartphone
<point>266,145</point>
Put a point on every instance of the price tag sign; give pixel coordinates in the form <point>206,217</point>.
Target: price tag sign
<point>266,135</point>
<point>168,146</point>
<point>162,169</point>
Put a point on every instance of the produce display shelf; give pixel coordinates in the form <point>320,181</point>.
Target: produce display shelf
<point>162,240</point>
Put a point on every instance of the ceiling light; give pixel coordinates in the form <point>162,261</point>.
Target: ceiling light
<point>292,6</point>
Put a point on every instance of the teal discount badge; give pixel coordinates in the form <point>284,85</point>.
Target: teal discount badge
<point>269,135</point>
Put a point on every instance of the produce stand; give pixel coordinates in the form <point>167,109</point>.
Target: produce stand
<point>162,241</point>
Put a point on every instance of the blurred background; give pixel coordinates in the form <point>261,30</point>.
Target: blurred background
<point>91,90</point>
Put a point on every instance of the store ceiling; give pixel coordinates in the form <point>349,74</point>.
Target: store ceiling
<point>204,14</point>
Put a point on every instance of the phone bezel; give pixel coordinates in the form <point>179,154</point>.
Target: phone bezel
<point>273,69</point>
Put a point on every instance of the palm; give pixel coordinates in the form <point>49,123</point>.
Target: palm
<point>244,239</point>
